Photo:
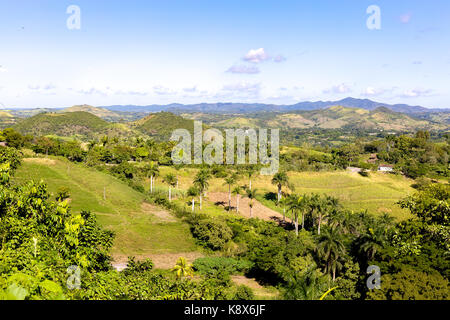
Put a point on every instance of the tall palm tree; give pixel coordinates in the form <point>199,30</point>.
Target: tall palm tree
<point>152,170</point>
<point>372,242</point>
<point>280,179</point>
<point>284,202</point>
<point>171,181</point>
<point>296,204</point>
<point>251,195</point>
<point>250,171</point>
<point>201,181</point>
<point>230,180</point>
<point>182,268</point>
<point>331,249</point>
<point>237,192</point>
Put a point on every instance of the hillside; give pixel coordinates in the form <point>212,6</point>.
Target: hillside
<point>141,229</point>
<point>161,125</point>
<point>99,112</point>
<point>6,119</point>
<point>336,117</point>
<point>82,124</point>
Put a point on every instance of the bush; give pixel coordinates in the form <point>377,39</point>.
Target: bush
<point>138,266</point>
<point>212,233</point>
<point>214,265</point>
<point>244,293</point>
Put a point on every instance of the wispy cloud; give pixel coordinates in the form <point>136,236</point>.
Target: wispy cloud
<point>339,89</point>
<point>3,69</point>
<point>241,69</point>
<point>161,90</point>
<point>279,58</point>
<point>415,93</point>
<point>243,87</point>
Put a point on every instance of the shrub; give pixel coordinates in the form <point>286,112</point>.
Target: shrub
<point>244,293</point>
<point>213,265</point>
<point>212,233</point>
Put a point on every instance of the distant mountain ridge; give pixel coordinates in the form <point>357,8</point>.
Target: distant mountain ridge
<point>229,108</point>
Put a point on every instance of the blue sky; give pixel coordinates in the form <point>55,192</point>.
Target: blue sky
<point>158,52</point>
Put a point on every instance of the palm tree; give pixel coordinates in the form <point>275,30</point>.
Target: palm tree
<point>331,249</point>
<point>171,181</point>
<point>372,242</point>
<point>201,181</point>
<point>152,170</point>
<point>280,179</point>
<point>182,268</point>
<point>296,204</point>
<point>230,181</point>
<point>251,195</point>
<point>250,171</point>
<point>284,202</point>
<point>193,192</point>
<point>237,192</point>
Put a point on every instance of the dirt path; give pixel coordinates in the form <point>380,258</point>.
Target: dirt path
<point>160,261</point>
<point>259,210</point>
<point>258,289</point>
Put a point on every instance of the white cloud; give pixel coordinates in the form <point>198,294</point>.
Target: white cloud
<point>415,93</point>
<point>341,88</point>
<point>244,69</point>
<point>243,87</point>
<point>3,69</point>
<point>191,89</point>
<point>161,90</point>
<point>371,91</point>
<point>256,56</point>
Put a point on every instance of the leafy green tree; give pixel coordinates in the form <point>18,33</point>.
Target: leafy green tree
<point>409,284</point>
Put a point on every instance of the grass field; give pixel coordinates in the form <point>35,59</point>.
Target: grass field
<point>377,193</point>
<point>141,229</point>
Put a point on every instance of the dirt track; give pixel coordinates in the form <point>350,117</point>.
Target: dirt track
<point>259,211</point>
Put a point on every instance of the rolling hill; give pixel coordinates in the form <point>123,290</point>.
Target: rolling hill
<point>336,117</point>
<point>81,124</point>
<point>161,125</point>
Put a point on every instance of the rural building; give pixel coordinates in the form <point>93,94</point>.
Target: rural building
<point>354,169</point>
<point>386,168</point>
<point>3,144</point>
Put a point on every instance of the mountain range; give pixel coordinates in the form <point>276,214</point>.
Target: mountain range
<point>242,108</point>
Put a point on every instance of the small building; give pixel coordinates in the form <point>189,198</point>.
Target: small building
<point>386,168</point>
<point>354,169</point>
<point>3,144</point>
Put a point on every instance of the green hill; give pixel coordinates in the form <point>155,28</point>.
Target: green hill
<point>336,117</point>
<point>79,124</point>
<point>6,119</point>
<point>141,229</point>
<point>103,113</point>
<point>161,125</point>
